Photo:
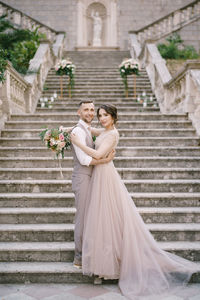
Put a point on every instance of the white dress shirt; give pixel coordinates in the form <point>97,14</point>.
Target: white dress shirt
<point>83,158</point>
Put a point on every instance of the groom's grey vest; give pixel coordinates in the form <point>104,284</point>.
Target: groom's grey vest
<point>78,168</point>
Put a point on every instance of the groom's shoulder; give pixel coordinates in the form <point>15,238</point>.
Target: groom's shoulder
<point>78,129</point>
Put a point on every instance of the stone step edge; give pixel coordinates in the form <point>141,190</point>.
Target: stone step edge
<point>23,270</point>
<point>65,114</point>
<point>39,267</point>
<point>118,148</point>
<point>70,195</point>
<point>96,122</point>
<point>69,158</point>
<point>120,130</point>
<point>125,169</point>
<point>72,210</point>
<point>57,227</point>
<point>121,138</point>
<point>69,246</point>
<point>126,181</point>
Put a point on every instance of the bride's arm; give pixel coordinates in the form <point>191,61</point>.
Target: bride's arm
<point>96,131</point>
<point>107,145</point>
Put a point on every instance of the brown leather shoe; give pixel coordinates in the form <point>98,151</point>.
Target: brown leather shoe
<point>77,264</point>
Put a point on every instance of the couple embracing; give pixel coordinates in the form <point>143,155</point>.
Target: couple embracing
<point>111,239</point>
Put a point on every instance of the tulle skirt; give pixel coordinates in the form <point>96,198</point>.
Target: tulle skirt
<point>117,243</point>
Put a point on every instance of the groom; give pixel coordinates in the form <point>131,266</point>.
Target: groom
<point>81,175</point>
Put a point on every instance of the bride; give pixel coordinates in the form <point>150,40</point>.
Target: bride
<point>116,241</point>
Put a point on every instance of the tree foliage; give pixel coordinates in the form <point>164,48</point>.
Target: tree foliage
<point>20,44</point>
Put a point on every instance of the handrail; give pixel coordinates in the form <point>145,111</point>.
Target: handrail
<point>21,19</point>
<point>26,15</point>
<point>169,23</point>
<point>175,94</point>
<point>164,17</point>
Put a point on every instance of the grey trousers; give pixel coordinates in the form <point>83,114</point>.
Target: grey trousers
<point>80,185</point>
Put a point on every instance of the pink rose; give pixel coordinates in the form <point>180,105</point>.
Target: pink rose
<point>61,137</point>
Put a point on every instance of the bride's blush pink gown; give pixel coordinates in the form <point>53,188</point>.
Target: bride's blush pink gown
<point>116,241</point>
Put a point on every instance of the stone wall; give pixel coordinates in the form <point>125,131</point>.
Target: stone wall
<point>62,15</point>
<point>190,35</point>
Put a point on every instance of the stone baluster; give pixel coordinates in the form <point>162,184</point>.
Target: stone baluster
<point>17,18</point>
<point>2,10</point>
<point>197,8</point>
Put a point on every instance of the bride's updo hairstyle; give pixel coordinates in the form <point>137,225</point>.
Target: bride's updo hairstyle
<point>110,109</point>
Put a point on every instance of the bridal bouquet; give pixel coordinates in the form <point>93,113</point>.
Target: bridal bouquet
<point>128,67</point>
<point>56,139</point>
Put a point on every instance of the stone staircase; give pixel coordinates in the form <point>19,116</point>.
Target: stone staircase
<point>158,157</point>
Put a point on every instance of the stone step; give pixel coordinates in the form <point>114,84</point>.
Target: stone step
<point>38,200</point>
<point>41,272</point>
<point>64,232</point>
<point>119,162</point>
<point>51,108</point>
<point>97,72</point>
<point>156,151</point>
<point>67,199</point>
<point>137,185</point>
<point>182,132</point>
<point>120,124</point>
<point>116,101</point>
<point>64,251</point>
<point>120,151</point>
<point>122,117</point>
<point>125,173</point>
<point>47,215</point>
<point>88,83</point>
<point>124,141</point>
<point>48,272</point>
<point>103,89</point>
<point>73,108</point>
<point>97,93</point>
<point>123,105</point>
<point>42,215</point>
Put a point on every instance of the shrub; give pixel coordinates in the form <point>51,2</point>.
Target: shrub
<point>175,49</point>
<point>3,63</point>
<point>21,44</point>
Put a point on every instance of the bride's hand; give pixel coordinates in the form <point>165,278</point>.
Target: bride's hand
<point>111,155</point>
<point>74,139</point>
<point>65,129</point>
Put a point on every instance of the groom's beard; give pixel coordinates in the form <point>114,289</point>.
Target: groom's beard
<point>88,121</point>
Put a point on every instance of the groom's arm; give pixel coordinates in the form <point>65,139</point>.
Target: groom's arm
<point>84,159</point>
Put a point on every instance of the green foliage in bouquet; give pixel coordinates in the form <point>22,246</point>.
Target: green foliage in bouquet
<point>175,49</point>
<point>56,140</point>
<point>128,67</point>
<point>3,64</point>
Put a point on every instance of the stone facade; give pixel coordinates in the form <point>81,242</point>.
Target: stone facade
<point>131,15</point>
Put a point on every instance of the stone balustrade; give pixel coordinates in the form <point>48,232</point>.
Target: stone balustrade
<point>13,94</point>
<point>22,20</point>
<point>169,24</point>
<point>20,94</point>
<point>178,94</point>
